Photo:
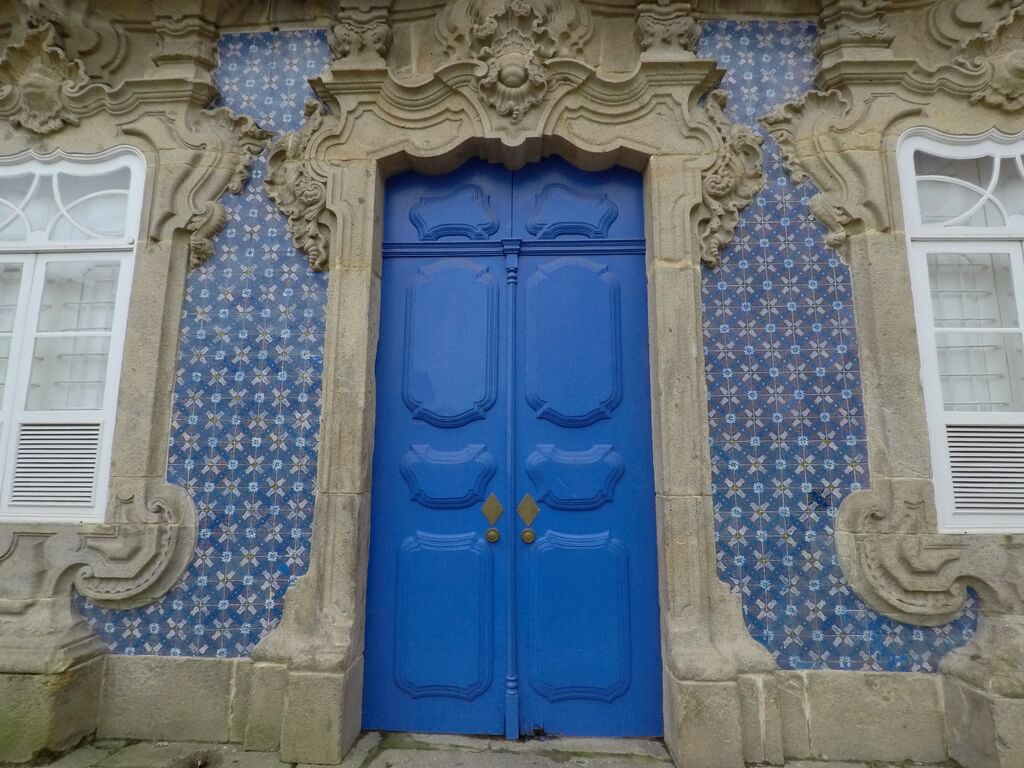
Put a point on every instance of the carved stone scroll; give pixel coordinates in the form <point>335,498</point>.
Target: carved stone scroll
<point>666,28</point>
<point>731,183</point>
<point>299,193</point>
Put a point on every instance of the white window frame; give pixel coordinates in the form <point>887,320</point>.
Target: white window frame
<point>931,238</point>
<point>35,255</point>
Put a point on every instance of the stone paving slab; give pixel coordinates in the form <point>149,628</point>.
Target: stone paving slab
<point>403,750</point>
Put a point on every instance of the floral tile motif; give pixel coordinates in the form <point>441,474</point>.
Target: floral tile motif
<point>246,414</point>
<point>787,431</point>
<point>788,440</point>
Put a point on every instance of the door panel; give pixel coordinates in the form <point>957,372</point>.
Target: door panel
<point>513,360</point>
<point>588,600</point>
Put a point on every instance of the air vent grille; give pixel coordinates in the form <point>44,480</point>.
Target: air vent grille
<point>56,464</point>
<point>987,463</point>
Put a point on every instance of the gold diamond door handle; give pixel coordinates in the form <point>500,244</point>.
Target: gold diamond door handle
<point>528,511</point>
<point>492,510</point>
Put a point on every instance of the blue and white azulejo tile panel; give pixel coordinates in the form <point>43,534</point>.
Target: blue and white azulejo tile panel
<point>246,413</point>
<point>788,440</point>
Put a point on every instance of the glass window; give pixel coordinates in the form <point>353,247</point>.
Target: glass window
<point>67,231</point>
<point>967,275</point>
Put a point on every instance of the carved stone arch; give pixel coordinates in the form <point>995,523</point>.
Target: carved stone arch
<point>192,156</point>
<point>700,168</point>
<point>961,78</point>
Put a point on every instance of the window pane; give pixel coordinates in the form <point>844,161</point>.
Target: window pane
<point>981,371</point>
<point>972,290</point>
<point>78,296</point>
<point>10,287</point>
<point>976,192</point>
<point>68,373</point>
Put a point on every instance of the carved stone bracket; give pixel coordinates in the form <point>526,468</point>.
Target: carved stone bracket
<point>730,184</point>
<point>667,28</point>
<point>896,562</point>
<point>299,193</point>
<point>125,563</point>
<point>360,36</point>
<point>854,29</point>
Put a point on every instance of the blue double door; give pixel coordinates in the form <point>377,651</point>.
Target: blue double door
<point>513,571</point>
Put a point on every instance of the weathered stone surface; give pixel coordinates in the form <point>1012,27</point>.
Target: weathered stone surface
<point>761,719</point>
<point>862,716</point>
<point>268,683</point>
<point>703,724</point>
<point>47,712</point>
<point>166,697</point>
<point>322,715</point>
<point>238,705</point>
<point>984,730</point>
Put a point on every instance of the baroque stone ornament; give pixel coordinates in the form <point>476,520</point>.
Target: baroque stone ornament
<point>903,569</point>
<point>204,225</point>
<point>666,27</point>
<point>513,40</point>
<point>1000,55</point>
<point>300,194</point>
<point>731,183</point>
<point>360,36</point>
<point>123,564</point>
<point>36,77</point>
<point>849,26</point>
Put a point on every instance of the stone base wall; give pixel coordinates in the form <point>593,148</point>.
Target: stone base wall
<point>786,715</point>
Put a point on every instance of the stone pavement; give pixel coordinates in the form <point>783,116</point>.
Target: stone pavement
<point>402,750</point>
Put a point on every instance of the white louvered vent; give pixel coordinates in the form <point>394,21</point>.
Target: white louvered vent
<point>987,463</point>
<point>56,464</point>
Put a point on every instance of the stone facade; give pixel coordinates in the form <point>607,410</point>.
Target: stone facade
<point>261,272</point>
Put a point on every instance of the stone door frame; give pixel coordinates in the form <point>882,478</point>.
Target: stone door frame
<point>699,169</point>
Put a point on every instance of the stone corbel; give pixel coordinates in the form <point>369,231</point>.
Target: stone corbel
<point>895,561</point>
<point>300,193</point>
<point>667,28</point>
<point>125,563</point>
<point>730,184</point>
<point>853,29</point>
<point>360,37</point>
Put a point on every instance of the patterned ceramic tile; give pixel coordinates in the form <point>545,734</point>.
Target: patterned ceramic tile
<point>787,427</point>
<point>786,417</point>
<point>246,414</point>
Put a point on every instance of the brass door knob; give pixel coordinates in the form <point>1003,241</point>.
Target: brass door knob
<point>493,535</point>
<point>528,536</point>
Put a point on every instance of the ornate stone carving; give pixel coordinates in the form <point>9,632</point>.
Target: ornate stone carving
<point>846,26</point>
<point>125,563</point>
<point>894,560</point>
<point>1000,55</point>
<point>667,28</point>
<point>513,40</point>
<point>300,195</point>
<point>206,223</point>
<point>36,78</point>
<point>360,36</point>
<point>730,184</point>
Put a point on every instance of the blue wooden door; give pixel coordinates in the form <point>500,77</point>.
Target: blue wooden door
<point>513,569</point>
